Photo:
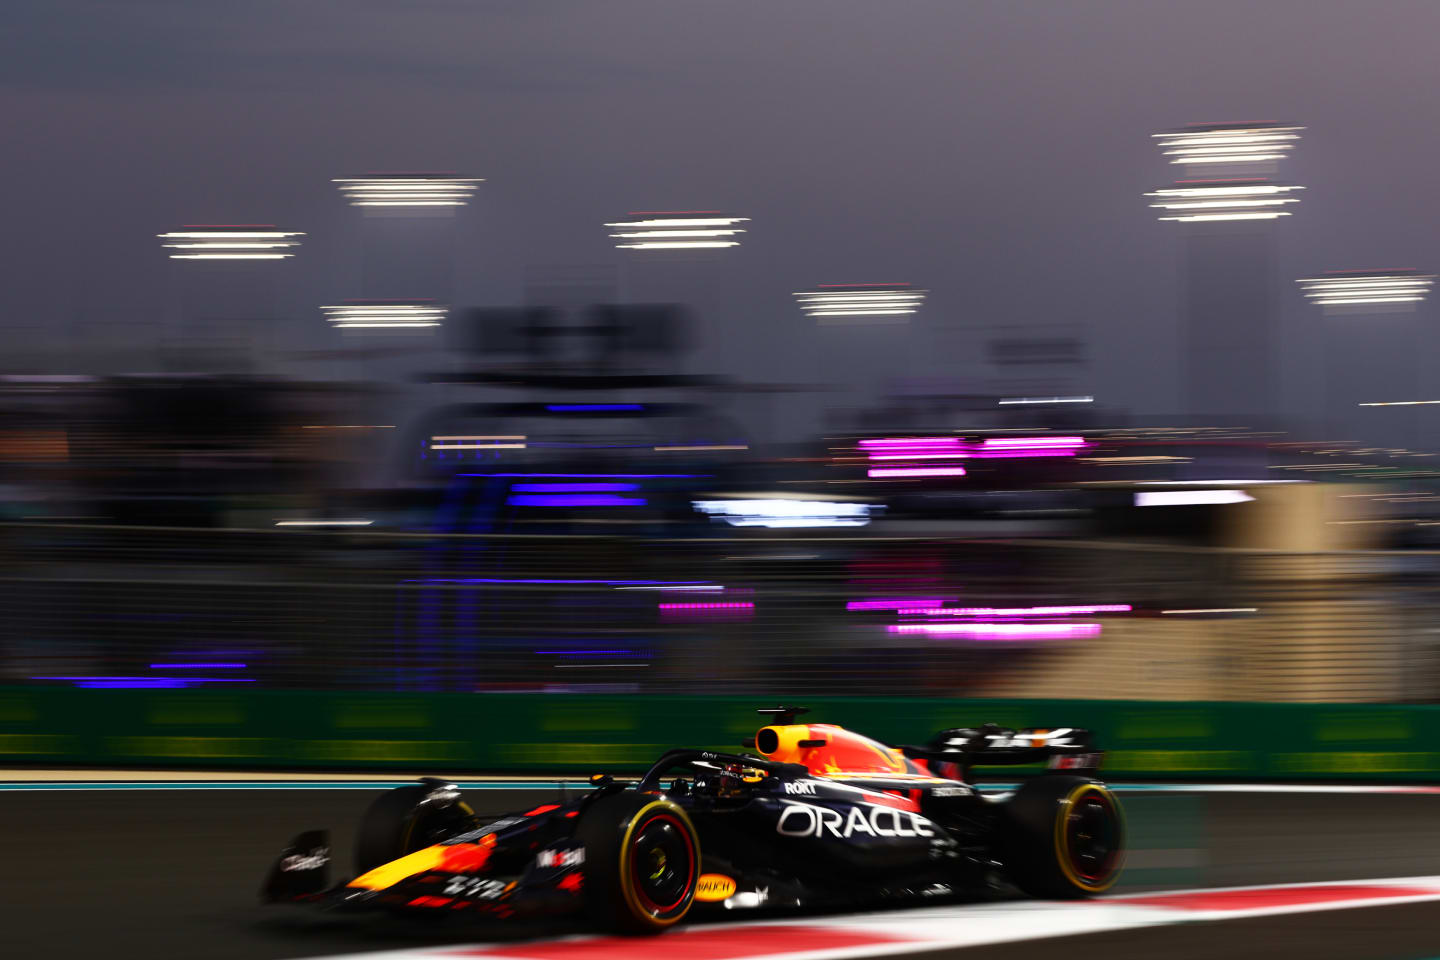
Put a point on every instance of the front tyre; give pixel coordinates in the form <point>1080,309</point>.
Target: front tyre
<point>1064,837</point>
<point>642,861</point>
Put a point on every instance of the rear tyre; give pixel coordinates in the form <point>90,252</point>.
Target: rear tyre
<point>642,862</point>
<point>1063,837</point>
<point>404,820</point>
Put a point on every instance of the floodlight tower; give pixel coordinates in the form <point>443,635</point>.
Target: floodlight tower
<point>862,332</point>
<point>677,230</point>
<point>228,296</point>
<point>409,231</point>
<point>1372,353</point>
<point>1226,198</point>
<point>661,247</point>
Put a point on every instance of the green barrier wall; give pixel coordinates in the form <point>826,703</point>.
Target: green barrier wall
<point>484,733</point>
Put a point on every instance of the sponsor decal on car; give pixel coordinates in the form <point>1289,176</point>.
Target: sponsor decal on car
<point>546,859</point>
<point>470,836</point>
<point>806,820</point>
<point>712,887</point>
<point>1076,761</point>
<point>314,860</point>
<point>475,888</point>
<point>803,787</point>
<point>950,792</point>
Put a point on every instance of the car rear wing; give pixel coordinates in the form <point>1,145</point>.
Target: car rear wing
<point>1066,748</point>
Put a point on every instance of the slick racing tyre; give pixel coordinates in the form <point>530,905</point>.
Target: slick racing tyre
<point>642,861</point>
<point>1063,837</point>
<point>401,821</point>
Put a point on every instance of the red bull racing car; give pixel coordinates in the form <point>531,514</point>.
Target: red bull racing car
<point>819,816</point>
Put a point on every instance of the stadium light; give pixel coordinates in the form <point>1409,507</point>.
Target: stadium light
<point>1227,144</point>
<point>832,303</point>
<point>1227,172</point>
<point>407,190</point>
<point>1363,292</point>
<point>386,315</point>
<point>1193,201</point>
<point>677,230</point>
<point>230,242</point>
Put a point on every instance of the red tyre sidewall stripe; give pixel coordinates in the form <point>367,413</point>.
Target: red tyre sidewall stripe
<point>640,894</point>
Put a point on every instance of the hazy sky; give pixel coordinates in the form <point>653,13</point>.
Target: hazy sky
<point>992,152</point>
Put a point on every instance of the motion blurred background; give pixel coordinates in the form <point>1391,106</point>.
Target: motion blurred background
<point>484,386</point>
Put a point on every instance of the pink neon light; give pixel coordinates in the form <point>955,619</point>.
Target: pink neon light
<point>1061,611</point>
<point>1028,452</point>
<point>918,456</point>
<point>916,472</point>
<point>1002,631</point>
<point>907,441</point>
<point>1013,442</point>
<point>746,605</point>
<point>892,604</point>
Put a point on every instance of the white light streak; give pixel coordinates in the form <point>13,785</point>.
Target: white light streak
<point>226,246</point>
<point>226,235</point>
<point>1369,300</point>
<point>393,316</point>
<point>1228,144</point>
<point>1202,204</point>
<point>1210,610</point>
<point>706,446</point>
<point>1224,191</point>
<point>1231,156</point>
<point>1227,216</point>
<point>402,191</point>
<point>323,523</point>
<point>855,312</point>
<point>677,244</point>
<point>1179,498</point>
<point>1227,158</point>
<point>230,256</point>
<point>237,244</point>
<point>1400,403</point>
<point>1008,401</point>
<point>788,513</point>
<point>683,222</point>
<point>401,324</point>
<point>1363,289</point>
<point>824,305</point>
<point>477,446</point>
<point>678,233</point>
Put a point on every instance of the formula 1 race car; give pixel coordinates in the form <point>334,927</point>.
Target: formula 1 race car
<point>822,817</point>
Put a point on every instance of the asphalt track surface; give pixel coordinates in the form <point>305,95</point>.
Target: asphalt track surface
<point>159,874</point>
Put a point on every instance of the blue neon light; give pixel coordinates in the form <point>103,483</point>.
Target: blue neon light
<point>591,407</point>
<point>575,500</point>
<point>574,487</point>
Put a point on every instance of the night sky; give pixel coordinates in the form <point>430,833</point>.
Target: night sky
<point>992,152</point>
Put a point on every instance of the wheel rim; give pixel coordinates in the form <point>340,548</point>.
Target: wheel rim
<point>1092,837</point>
<point>662,864</point>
